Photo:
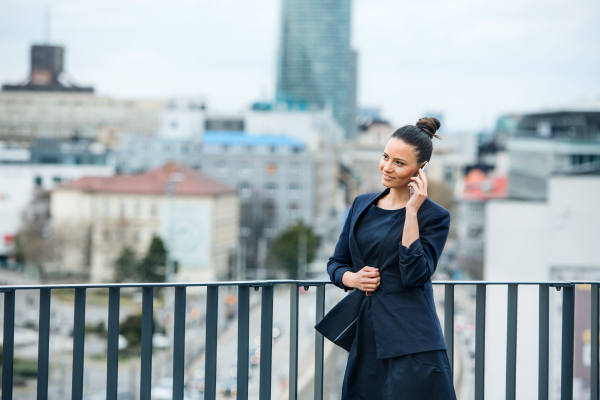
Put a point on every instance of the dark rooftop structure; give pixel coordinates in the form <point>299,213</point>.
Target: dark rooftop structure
<point>47,73</point>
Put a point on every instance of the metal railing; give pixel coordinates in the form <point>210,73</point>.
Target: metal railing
<point>266,336</point>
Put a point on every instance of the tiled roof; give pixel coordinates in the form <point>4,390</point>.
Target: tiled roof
<point>190,183</point>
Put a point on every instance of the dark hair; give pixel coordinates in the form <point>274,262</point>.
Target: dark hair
<point>420,136</point>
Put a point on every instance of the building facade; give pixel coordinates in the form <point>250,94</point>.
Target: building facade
<point>547,143</point>
<point>316,66</point>
<point>550,240</point>
<point>198,222</point>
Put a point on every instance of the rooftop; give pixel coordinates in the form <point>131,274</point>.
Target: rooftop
<point>240,137</point>
<point>189,183</point>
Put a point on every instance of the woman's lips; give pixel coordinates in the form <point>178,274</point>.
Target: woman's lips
<point>387,177</point>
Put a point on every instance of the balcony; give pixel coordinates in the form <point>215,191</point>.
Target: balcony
<point>267,289</point>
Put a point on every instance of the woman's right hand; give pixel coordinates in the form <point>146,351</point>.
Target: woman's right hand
<point>367,279</point>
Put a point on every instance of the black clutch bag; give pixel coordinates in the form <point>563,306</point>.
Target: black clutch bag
<point>339,324</point>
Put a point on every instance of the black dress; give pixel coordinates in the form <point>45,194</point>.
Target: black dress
<point>417,376</point>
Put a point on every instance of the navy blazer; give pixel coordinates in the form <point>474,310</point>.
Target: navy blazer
<point>404,315</point>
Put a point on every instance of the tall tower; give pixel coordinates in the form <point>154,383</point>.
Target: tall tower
<point>316,66</point>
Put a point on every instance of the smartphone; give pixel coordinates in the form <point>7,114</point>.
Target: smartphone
<point>425,169</point>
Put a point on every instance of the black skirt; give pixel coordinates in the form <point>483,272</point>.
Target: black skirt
<point>417,376</point>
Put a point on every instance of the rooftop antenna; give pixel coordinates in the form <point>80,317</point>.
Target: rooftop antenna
<point>47,23</point>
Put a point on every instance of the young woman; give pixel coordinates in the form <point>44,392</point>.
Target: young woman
<point>387,251</point>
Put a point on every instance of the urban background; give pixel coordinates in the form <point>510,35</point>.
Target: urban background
<point>225,141</point>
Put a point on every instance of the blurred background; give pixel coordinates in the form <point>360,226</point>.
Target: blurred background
<point>215,141</point>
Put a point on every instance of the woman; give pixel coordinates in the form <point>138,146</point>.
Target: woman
<point>388,250</point>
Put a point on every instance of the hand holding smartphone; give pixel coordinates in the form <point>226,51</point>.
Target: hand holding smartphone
<point>425,170</point>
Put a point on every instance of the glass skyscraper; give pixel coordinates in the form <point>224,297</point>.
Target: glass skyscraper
<point>316,67</point>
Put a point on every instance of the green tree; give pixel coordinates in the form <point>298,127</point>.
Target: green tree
<point>126,265</point>
<point>288,244</point>
<point>152,267</point>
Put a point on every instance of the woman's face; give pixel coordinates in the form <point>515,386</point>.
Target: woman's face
<point>398,164</point>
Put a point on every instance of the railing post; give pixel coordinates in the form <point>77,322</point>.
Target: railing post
<point>146,357</point>
<point>319,344</point>
<point>511,343</point>
<point>266,342</point>
<point>210,362</point>
<point>480,341</point>
<point>449,323</point>
<point>78,344</point>
<point>179,343</point>
<point>112,351</point>
<point>568,336</point>
<point>43,345</point>
<point>8,345</point>
<point>293,375</point>
<point>595,335</point>
<point>243,341</point>
<point>544,342</point>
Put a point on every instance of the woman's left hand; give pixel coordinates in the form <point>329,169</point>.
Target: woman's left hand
<point>420,194</point>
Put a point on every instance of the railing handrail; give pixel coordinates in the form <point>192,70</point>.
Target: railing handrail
<point>267,282</point>
<point>267,291</point>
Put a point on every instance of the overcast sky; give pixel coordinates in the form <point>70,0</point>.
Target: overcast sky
<point>472,60</point>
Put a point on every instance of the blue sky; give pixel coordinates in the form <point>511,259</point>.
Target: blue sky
<point>472,60</point>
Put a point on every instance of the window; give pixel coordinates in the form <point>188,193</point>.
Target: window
<point>106,208</point>
<point>224,148</point>
<point>153,209</point>
<point>295,169</point>
<point>294,189</point>
<point>38,181</point>
<point>245,190</point>
<point>106,236</point>
<point>185,149</point>
<point>122,209</point>
<point>270,189</point>
<point>269,209</point>
<point>56,179</point>
<point>296,149</point>
<point>294,209</point>
<point>221,168</point>
<point>138,209</point>
<point>249,149</point>
<point>273,149</point>
<point>245,170</point>
<point>136,236</point>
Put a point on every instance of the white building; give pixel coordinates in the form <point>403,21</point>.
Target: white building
<point>556,239</point>
<point>18,183</point>
<point>198,223</point>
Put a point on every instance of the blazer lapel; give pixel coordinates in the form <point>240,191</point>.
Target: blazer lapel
<point>357,259</point>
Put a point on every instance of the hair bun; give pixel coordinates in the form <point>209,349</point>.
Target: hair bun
<point>429,125</point>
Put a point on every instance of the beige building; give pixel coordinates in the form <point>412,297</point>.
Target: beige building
<point>199,222</point>
<point>25,115</point>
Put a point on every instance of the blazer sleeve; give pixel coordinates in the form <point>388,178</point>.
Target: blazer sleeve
<point>419,260</point>
<point>341,260</point>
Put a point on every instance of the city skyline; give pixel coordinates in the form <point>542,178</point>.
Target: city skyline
<point>469,61</point>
